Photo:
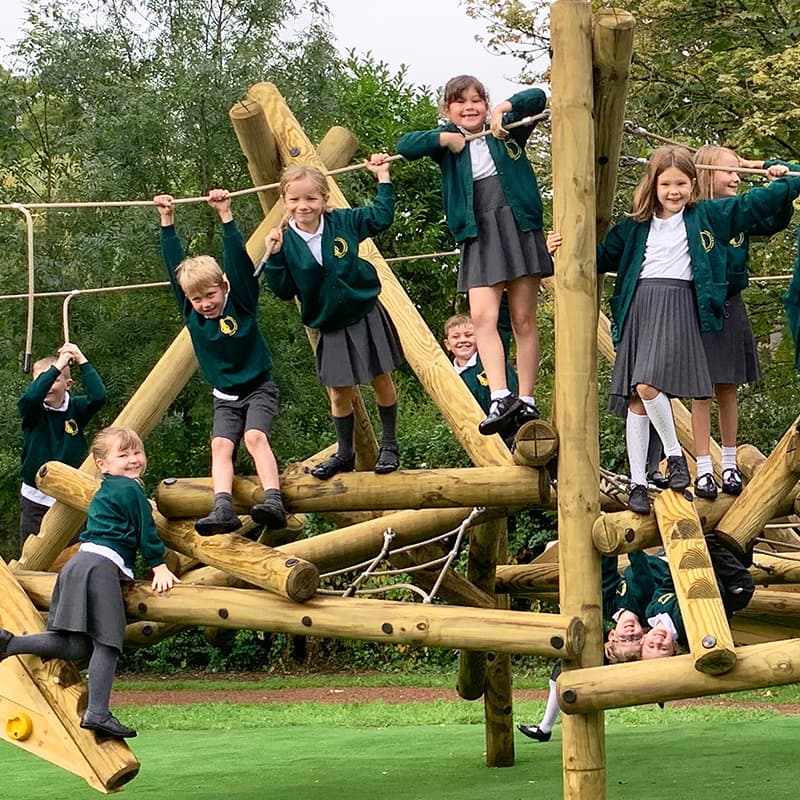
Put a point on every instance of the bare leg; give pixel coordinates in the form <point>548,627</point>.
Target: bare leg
<point>484,308</point>
<point>523,297</point>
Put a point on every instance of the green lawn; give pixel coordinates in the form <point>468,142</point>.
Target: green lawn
<point>377,751</point>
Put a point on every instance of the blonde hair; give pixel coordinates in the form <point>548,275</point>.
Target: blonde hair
<point>711,155</point>
<point>454,90</point>
<point>297,172</point>
<point>198,274</point>
<point>104,440</point>
<point>613,657</point>
<point>645,198</point>
<point>44,363</point>
<point>456,320</point>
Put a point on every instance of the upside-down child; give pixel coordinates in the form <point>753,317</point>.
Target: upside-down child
<point>87,614</point>
<point>53,423</point>
<point>494,211</point>
<point>221,312</point>
<point>313,256</point>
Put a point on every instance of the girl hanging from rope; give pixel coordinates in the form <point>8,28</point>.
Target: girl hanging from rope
<point>731,351</point>
<point>670,256</point>
<point>87,614</point>
<point>314,256</point>
<point>494,211</point>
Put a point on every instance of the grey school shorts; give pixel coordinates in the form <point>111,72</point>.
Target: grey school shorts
<point>255,411</point>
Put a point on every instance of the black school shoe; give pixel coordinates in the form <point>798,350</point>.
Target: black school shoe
<point>501,413</point>
<point>108,726</point>
<point>706,487</point>
<point>270,513</point>
<point>388,459</point>
<point>220,520</point>
<point>732,481</point>
<point>333,465</point>
<point>658,479</point>
<point>638,499</point>
<point>677,473</point>
<point>534,732</point>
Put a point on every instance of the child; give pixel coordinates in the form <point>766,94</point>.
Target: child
<point>623,605</point>
<point>221,313</point>
<point>53,423</point>
<point>494,211</point>
<point>87,613</point>
<point>731,352</point>
<point>671,285</point>
<point>314,256</point>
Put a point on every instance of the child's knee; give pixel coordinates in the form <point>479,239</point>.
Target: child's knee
<point>221,447</point>
<point>255,440</point>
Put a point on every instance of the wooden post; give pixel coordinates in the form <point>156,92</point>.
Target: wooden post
<point>42,703</point>
<point>535,443</point>
<point>422,349</point>
<point>386,621</point>
<point>526,579</point>
<point>576,372</point>
<point>704,619</point>
<point>251,562</point>
<point>258,147</point>
<point>763,495</point>
<point>659,681</point>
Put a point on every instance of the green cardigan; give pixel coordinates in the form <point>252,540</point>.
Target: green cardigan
<point>49,435</point>
<point>710,225</point>
<point>120,517</point>
<point>344,288</point>
<point>513,168</point>
<point>230,349</point>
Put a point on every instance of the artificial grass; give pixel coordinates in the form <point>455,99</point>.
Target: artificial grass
<point>675,759</point>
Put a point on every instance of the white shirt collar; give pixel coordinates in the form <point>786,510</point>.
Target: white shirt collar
<point>62,407</point>
<point>471,363</point>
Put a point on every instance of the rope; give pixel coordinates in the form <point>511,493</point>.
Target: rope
<point>96,290</point>
<point>636,130</point>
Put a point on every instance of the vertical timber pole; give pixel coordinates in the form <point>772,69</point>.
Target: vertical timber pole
<point>576,373</point>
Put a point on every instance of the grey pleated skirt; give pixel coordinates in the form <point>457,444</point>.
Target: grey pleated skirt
<point>88,599</point>
<point>731,352</point>
<point>661,344</point>
<point>361,351</point>
<point>501,252</point>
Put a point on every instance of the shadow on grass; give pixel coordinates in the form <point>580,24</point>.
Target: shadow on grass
<point>701,761</point>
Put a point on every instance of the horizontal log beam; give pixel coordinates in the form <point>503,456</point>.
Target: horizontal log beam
<point>385,621</point>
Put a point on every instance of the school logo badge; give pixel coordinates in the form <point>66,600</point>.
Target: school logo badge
<point>482,379</point>
<point>707,238</point>
<point>665,598</point>
<point>512,148</point>
<point>340,247</point>
<point>228,326</point>
<point>737,241</point>
<point>71,427</point>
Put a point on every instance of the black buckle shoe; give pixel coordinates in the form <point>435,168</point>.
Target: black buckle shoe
<point>388,459</point>
<point>501,412</point>
<point>678,473</point>
<point>732,481</point>
<point>534,732</point>
<point>333,465</point>
<point>220,520</point>
<point>706,487</point>
<point>528,413</point>
<point>108,726</point>
<point>638,499</point>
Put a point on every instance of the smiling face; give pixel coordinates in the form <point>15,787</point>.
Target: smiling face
<point>305,203</point>
<point>658,642</point>
<point>725,182</point>
<point>210,301</point>
<point>468,110</point>
<point>626,637</point>
<point>460,341</point>
<point>123,461</point>
<point>673,192</point>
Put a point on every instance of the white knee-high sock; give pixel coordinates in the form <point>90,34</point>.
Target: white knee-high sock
<point>660,412</point>
<point>551,710</point>
<point>637,438</point>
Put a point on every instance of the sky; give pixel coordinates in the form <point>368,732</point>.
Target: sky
<point>434,38</point>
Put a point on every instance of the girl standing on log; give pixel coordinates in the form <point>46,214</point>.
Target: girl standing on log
<point>731,351</point>
<point>494,211</point>
<point>87,613</point>
<point>314,257</point>
<point>670,256</point>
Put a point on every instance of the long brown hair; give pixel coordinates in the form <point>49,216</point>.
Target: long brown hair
<point>645,198</point>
